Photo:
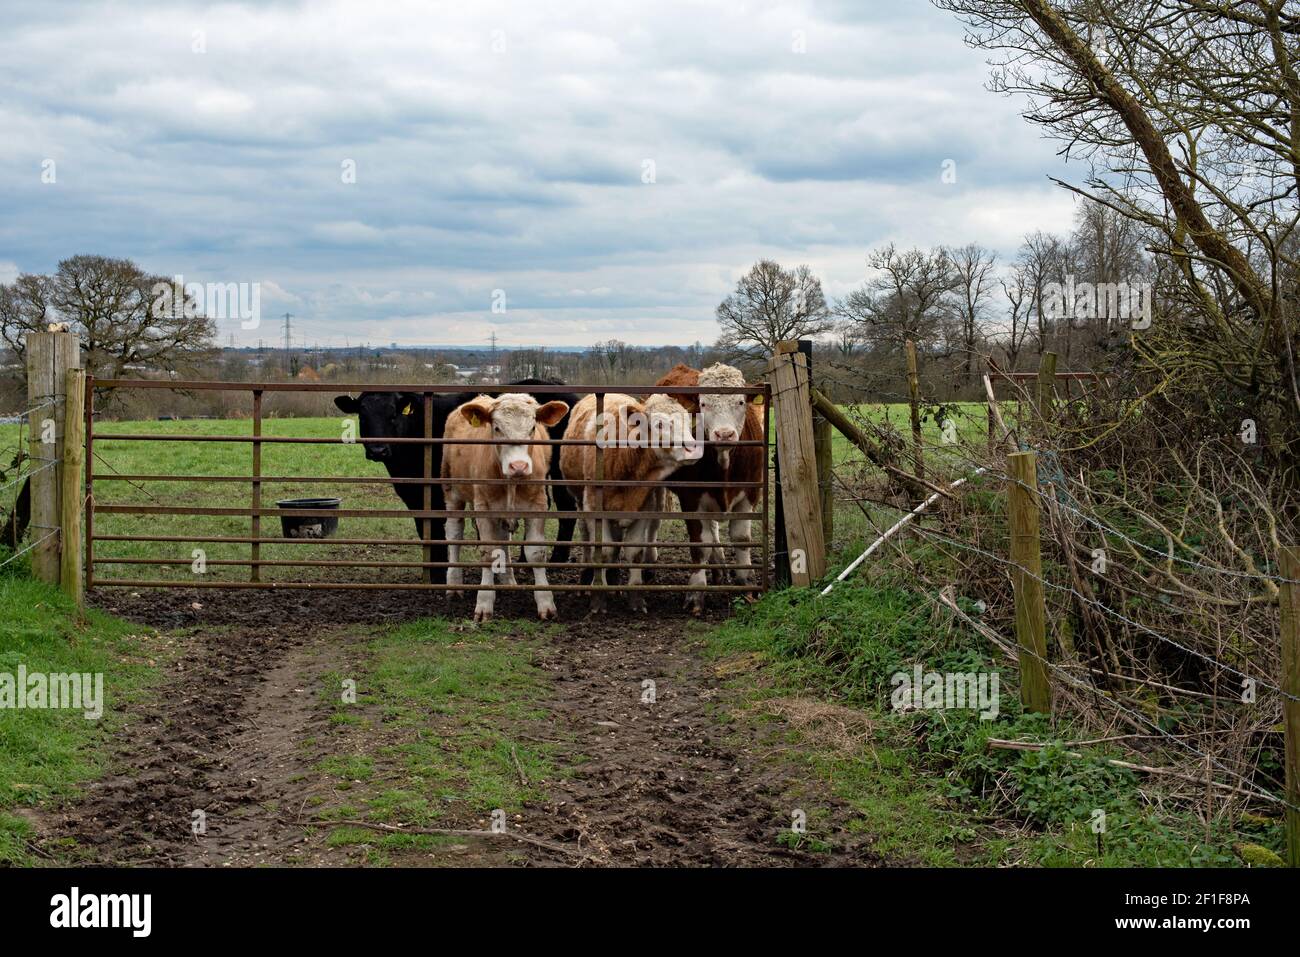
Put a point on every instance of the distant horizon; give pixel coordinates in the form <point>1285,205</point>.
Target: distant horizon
<point>395,173</point>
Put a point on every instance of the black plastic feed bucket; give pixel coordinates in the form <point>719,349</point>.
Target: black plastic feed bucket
<point>309,526</point>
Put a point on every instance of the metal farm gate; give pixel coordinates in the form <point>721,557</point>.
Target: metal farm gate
<point>124,547</point>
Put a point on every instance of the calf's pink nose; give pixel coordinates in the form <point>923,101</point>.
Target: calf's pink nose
<point>724,435</point>
<point>520,467</point>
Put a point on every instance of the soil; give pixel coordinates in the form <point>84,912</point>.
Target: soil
<point>237,727</point>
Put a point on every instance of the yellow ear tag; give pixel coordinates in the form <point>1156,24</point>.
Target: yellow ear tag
<point>758,399</point>
<point>475,421</point>
<point>407,410</point>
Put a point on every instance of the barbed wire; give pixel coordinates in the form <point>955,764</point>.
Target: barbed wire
<point>1208,659</point>
<point>31,545</point>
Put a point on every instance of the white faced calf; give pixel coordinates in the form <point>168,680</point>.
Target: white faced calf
<point>520,421</point>
<point>722,417</point>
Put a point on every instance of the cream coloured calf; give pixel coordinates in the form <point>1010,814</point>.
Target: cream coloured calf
<point>517,418</point>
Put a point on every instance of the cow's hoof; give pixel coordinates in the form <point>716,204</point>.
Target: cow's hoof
<point>482,614</point>
<point>694,604</point>
<point>548,613</point>
<point>636,605</point>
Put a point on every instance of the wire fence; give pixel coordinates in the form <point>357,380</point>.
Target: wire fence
<point>1156,634</point>
<point>17,467</point>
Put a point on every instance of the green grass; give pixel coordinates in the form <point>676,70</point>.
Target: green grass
<point>925,784</point>
<point>449,706</point>
<point>46,755</point>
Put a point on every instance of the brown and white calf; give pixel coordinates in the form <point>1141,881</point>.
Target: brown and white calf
<point>723,418</point>
<point>642,441</point>
<point>518,419</point>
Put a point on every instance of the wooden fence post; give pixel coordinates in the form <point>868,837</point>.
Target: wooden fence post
<point>1046,386</point>
<point>49,357</point>
<point>796,448</point>
<point>1026,579</point>
<point>823,440</point>
<point>823,444</point>
<point>71,543</point>
<point>914,390</point>
<point>1290,607</point>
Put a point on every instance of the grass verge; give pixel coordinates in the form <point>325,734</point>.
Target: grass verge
<point>47,754</point>
<point>924,782</point>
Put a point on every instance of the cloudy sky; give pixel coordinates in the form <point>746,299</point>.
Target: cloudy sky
<point>380,168</point>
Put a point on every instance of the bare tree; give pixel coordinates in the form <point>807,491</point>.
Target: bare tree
<point>771,305</point>
<point>112,304</point>
<point>1042,261</point>
<point>973,283</point>
<point>1017,288</point>
<point>904,300</point>
<point>1190,114</point>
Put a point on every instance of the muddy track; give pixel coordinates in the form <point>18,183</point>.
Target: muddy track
<point>238,725</point>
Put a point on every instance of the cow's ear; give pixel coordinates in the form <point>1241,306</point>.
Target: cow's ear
<point>691,403</point>
<point>346,404</point>
<point>476,413</point>
<point>757,399</point>
<point>551,413</point>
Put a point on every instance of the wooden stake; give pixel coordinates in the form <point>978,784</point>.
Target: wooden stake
<point>1289,600</point>
<point>914,389</point>
<point>71,543</point>
<point>1026,579</point>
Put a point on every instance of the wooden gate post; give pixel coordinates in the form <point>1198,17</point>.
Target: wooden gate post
<point>1026,579</point>
<point>796,448</point>
<point>71,543</point>
<point>49,357</point>
<point>1290,607</point>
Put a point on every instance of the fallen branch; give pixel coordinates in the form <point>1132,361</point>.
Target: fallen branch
<point>449,832</point>
<point>1000,744</point>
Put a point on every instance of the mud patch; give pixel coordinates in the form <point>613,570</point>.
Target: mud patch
<point>655,773</point>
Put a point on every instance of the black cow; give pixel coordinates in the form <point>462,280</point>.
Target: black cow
<point>384,415</point>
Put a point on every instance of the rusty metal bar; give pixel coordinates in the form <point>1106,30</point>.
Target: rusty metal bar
<point>215,510</point>
<point>427,525</point>
<point>256,549</point>
<point>384,480</point>
<point>767,425</point>
<point>598,494</point>
<point>406,586</point>
<point>192,385</point>
<point>370,563</point>
<point>323,440</point>
<point>90,479</point>
<point>394,542</point>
